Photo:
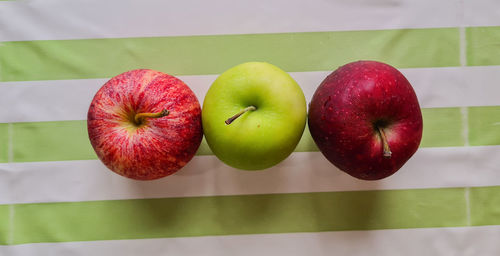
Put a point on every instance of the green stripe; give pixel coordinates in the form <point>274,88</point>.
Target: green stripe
<point>68,140</point>
<point>485,206</point>
<point>51,141</point>
<point>484,125</point>
<point>196,55</point>
<point>4,142</point>
<point>242,214</point>
<point>442,127</point>
<point>306,143</point>
<point>4,224</point>
<point>483,46</point>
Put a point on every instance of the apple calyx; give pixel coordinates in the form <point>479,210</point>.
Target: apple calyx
<point>387,150</point>
<point>231,119</point>
<point>140,117</point>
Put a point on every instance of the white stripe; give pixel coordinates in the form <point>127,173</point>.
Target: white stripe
<point>53,20</point>
<point>69,99</point>
<point>482,12</point>
<point>467,241</point>
<point>206,176</point>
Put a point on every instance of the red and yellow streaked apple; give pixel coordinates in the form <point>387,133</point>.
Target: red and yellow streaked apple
<point>144,124</point>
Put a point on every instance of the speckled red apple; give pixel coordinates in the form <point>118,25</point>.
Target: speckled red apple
<point>144,124</point>
<point>366,120</point>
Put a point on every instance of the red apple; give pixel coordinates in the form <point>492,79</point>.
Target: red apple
<point>366,120</point>
<point>144,124</point>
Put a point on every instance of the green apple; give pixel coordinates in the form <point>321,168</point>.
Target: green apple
<point>253,116</point>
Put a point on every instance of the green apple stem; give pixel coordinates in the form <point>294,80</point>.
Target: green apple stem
<point>231,119</point>
<point>387,150</point>
<point>139,117</point>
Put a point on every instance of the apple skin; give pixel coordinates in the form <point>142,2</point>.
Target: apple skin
<point>346,109</point>
<point>261,138</point>
<point>159,146</point>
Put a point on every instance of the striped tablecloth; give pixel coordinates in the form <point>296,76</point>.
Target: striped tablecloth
<point>56,198</point>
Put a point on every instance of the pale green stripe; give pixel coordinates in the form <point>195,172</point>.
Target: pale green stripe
<point>4,142</point>
<point>68,140</point>
<point>485,206</point>
<point>483,46</point>
<point>306,143</point>
<point>4,224</point>
<point>242,214</point>
<point>47,141</point>
<point>204,149</point>
<point>484,125</point>
<point>196,55</point>
<point>442,127</point>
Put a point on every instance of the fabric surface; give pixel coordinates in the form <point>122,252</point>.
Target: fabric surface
<point>56,198</point>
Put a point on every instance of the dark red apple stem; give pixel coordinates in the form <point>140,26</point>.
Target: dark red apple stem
<point>387,150</point>
<point>231,119</point>
<point>139,117</point>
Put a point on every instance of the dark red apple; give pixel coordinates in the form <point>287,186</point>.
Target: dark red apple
<point>144,124</point>
<point>366,120</point>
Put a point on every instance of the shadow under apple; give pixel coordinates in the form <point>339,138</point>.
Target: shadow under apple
<point>257,214</point>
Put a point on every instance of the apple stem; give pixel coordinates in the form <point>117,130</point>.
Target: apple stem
<point>387,150</point>
<point>139,117</point>
<point>231,119</point>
